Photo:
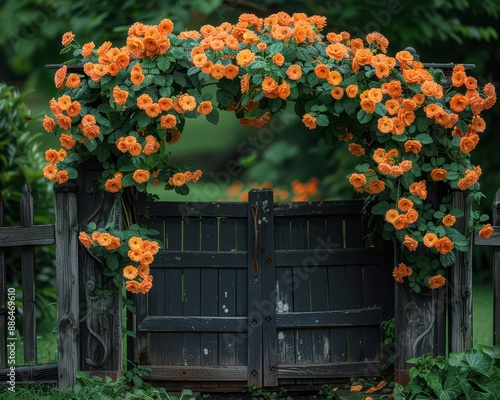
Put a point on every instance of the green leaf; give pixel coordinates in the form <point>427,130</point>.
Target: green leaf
<point>275,48</point>
<point>224,97</point>
<point>112,262</point>
<point>91,144</point>
<point>424,138</point>
<point>143,119</point>
<point>380,109</point>
<point>322,120</point>
<point>478,362</point>
<point>447,259</point>
<point>213,117</point>
<point>363,117</point>
<point>159,80</point>
<point>380,208</point>
<point>350,106</point>
<point>180,79</point>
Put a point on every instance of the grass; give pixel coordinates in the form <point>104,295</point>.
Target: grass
<point>31,392</point>
<point>482,315</point>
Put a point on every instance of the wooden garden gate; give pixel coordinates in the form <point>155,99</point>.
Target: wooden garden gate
<point>263,293</point>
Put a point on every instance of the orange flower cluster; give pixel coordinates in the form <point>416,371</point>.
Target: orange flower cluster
<point>180,178</point>
<point>443,245</point>
<point>401,271</point>
<point>437,281</point>
<point>402,221</point>
<point>138,278</point>
<point>50,171</point>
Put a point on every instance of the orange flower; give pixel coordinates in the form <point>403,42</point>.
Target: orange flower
<point>67,38</point>
<point>245,83</point>
<point>336,51</point>
<point>62,177</point>
<point>217,72</point>
<point>486,231</point>
<point>410,243</point>
<point>413,146</point>
<point>73,81</point>
<point>113,185</point>
<point>136,78</point>
<point>85,239</point>
<point>141,176</point>
<point>337,93</point>
<point>231,71</point>
<point>430,239</point>
<point>60,76</point>
<point>357,180</point>
<point>449,220</point>
<point>130,272</point>
<point>351,91</point>
<point>119,95</point>
<point>278,59</point>
<point>334,78</point>
<point>52,156</point>
<point>50,172</point>
<point>187,102</point>
<point>411,216</point>
<point>153,110</point>
<point>284,90</point>
<point>321,71</point>
<point>135,242</point>
<point>197,175</point>
<point>104,239</point>
<point>67,141</point>
<point>269,85</point>
<point>438,174</point>
<point>245,57</point>
<point>401,272</point>
<point>133,287</point>
<point>376,186</point>
<point>179,179</point>
<point>294,72</point>
<point>468,143</point>
<point>309,121</point>
<point>356,149</point>
<point>385,124</point>
<point>405,204</point>
<point>87,49</point>
<point>168,121</point>
<point>48,123</point>
<point>400,222</point>
<point>74,109</point>
<point>135,254</point>
<point>419,189</point>
<point>368,105</point>
<point>356,388</point>
<point>143,271</point>
<point>91,131</point>
<point>205,107</point>
<point>437,281</point>
<point>146,285</point>
<point>444,245</point>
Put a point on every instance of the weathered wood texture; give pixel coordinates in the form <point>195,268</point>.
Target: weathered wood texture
<point>44,373</point>
<point>100,327</point>
<point>67,283</point>
<point>26,236</point>
<point>280,293</point>
<point>494,240</point>
<point>460,286</point>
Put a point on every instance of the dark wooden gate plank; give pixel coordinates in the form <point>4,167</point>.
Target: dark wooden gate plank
<point>284,293</point>
<point>372,288</point>
<point>192,284</point>
<point>242,290</point>
<point>227,294</point>
<point>3,296</point>
<point>319,286</point>
<point>209,343</point>
<point>254,291</point>
<point>172,295</point>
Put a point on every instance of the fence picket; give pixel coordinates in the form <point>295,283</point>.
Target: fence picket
<point>28,279</point>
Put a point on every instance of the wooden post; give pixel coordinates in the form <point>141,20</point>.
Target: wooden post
<point>3,297</point>
<point>496,269</point>
<point>101,326</point>
<point>460,286</point>
<point>68,305</point>
<point>28,279</point>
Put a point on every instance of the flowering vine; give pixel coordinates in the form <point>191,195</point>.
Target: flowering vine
<point>411,129</point>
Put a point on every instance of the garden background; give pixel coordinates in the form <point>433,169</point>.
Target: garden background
<point>458,31</point>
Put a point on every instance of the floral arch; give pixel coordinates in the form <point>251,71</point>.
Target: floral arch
<point>126,106</point>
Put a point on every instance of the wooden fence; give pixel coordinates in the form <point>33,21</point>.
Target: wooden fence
<point>314,339</point>
<point>26,236</point>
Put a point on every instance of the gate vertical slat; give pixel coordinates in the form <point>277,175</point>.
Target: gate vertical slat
<point>284,294</point>
<point>496,272</point>
<point>195,236</point>
<point>227,301</point>
<point>153,350</point>
<point>302,290</point>
<point>241,290</point>
<point>337,291</point>
<point>3,296</point>
<point>173,291</point>
<point>354,280</point>
<point>371,291</point>
<point>209,342</point>
<point>267,271</point>
<point>319,284</point>
<point>254,293</point>
<point>28,280</point>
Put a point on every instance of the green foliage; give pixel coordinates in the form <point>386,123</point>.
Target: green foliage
<point>264,394</point>
<point>473,374</point>
<point>32,391</point>
<point>131,386</point>
<point>21,161</point>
